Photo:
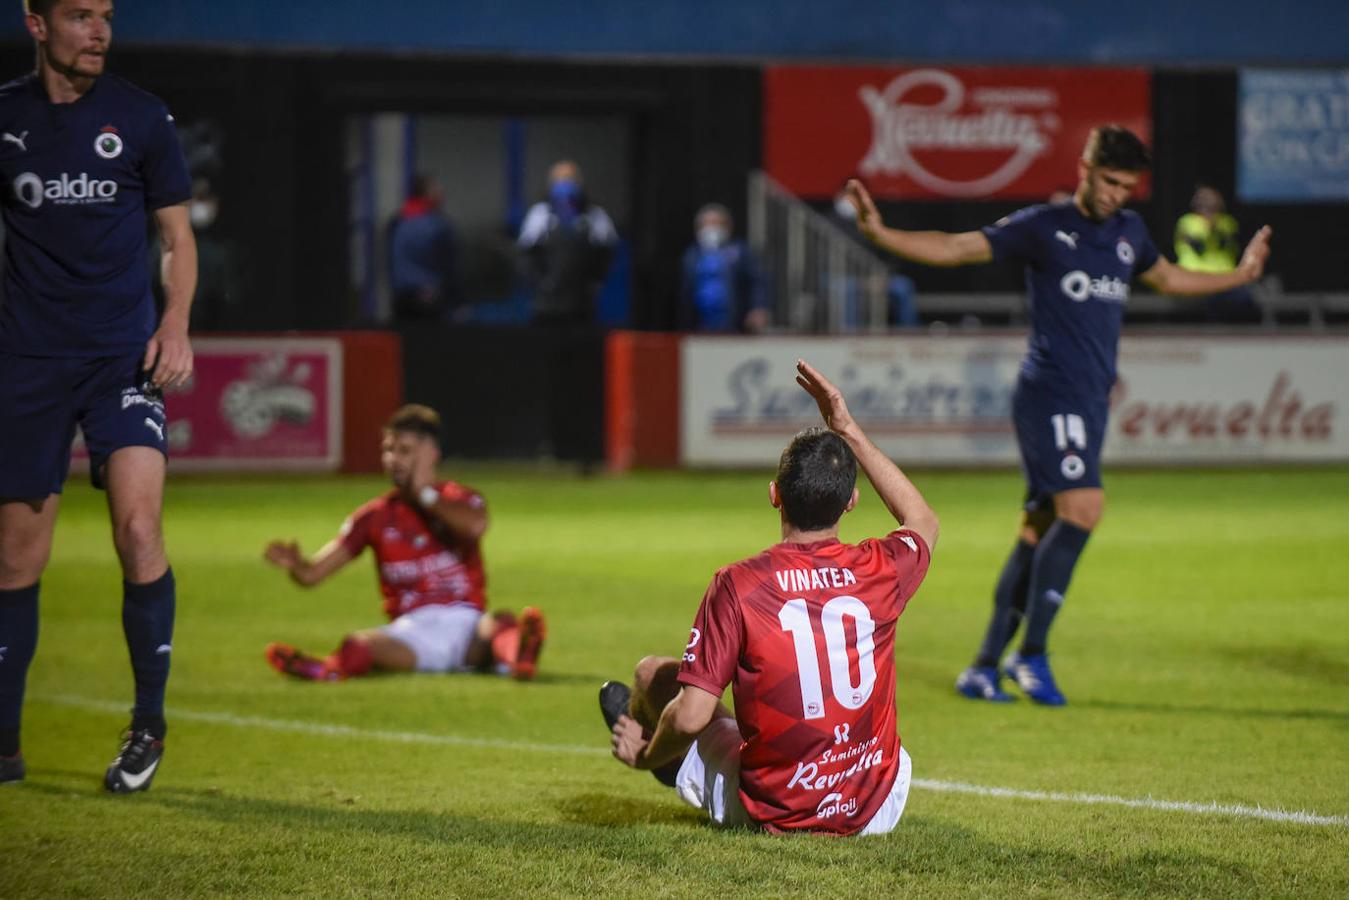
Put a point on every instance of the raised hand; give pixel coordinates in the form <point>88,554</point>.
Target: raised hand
<point>1257,251</point>
<point>868,219</point>
<point>827,397</point>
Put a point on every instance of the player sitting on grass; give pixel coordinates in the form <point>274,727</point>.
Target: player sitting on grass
<point>805,632</point>
<point>425,536</point>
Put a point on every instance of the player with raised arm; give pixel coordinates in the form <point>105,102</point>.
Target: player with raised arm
<point>804,632</point>
<point>1080,258</point>
<point>86,159</point>
<point>425,536</point>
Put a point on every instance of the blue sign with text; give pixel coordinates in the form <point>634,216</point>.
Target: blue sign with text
<point>1293,135</point>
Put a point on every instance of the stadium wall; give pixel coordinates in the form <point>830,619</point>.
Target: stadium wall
<point>1199,398</point>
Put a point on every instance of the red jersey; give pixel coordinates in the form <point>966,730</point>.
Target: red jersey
<point>806,635</point>
<point>418,560</point>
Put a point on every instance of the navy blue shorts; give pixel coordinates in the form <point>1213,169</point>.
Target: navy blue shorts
<point>42,399</point>
<point>1060,438</point>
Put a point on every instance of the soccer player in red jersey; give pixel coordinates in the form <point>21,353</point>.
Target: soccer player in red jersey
<point>425,536</point>
<point>804,632</point>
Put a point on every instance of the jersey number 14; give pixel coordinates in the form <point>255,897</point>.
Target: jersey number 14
<point>795,619</point>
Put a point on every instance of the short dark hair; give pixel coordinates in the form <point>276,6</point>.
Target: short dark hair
<point>1116,147</point>
<point>41,8</point>
<point>416,419</point>
<point>816,476</point>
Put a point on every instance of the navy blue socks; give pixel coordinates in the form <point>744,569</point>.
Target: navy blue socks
<point>18,642</point>
<point>147,621</point>
<point>1009,602</point>
<point>1051,570</point>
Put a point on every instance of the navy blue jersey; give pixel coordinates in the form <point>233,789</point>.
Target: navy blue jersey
<point>79,178</point>
<point>1077,277</point>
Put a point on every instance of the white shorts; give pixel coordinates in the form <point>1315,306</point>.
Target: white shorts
<point>709,779</point>
<point>439,634</point>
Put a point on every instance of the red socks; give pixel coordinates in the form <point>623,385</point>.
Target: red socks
<point>352,659</point>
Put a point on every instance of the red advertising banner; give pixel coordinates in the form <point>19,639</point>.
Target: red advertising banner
<point>923,133</point>
<point>257,403</point>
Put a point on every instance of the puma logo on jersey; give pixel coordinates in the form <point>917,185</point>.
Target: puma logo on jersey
<point>1069,239</point>
<point>20,140</point>
<point>909,542</point>
<point>155,427</point>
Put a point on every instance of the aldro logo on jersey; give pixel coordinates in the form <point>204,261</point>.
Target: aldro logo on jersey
<point>1080,286</point>
<point>66,190</point>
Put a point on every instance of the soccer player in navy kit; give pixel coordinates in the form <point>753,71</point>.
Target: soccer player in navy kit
<point>1080,259</point>
<point>84,157</point>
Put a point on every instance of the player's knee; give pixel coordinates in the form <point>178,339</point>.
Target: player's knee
<point>22,558</point>
<point>646,672</point>
<point>1084,515</point>
<point>140,545</point>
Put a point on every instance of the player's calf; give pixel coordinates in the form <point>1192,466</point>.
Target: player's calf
<point>533,631</point>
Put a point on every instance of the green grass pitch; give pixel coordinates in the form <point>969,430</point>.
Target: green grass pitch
<point>1204,649</point>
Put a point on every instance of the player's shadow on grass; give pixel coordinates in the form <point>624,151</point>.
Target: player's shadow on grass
<point>598,833</point>
<point>1301,662</point>
<point>612,811</point>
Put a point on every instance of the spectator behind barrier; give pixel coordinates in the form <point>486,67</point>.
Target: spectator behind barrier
<point>722,289</point>
<point>422,270</point>
<point>568,243</point>
<point>1207,241</point>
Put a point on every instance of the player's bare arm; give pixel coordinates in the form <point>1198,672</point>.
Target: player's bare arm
<point>307,572</point>
<point>1168,278</point>
<point>169,351</point>
<point>898,494</point>
<point>466,519</point>
<point>682,720</point>
<point>933,248</point>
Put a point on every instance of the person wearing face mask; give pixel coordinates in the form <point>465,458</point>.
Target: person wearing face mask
<point>900,289</point>
<point>723,287</point>
<point>220,267</point>
<point>568,243</point>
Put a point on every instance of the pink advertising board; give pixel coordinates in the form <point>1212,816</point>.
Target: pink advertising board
<point>266,403</point>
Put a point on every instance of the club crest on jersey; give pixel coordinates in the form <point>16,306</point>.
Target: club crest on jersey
<point>108,144</point>
<point>1125,251</point>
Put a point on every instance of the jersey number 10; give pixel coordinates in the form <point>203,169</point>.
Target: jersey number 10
<point>795,619</point>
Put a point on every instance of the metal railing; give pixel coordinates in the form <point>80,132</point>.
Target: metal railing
<point>824,280</point>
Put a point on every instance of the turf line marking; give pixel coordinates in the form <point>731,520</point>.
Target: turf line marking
<point>928,784</point>
<point>300,727</point>
<point>1209,809</point>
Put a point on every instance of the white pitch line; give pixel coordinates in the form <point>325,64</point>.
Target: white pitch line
<point>1210,809</point>
<point>300,727</point>
<point>929,784</point>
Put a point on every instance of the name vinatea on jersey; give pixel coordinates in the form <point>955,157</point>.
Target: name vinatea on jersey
<point>66,190</point>
<point>814,579</point>
<point>1079,286</point>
